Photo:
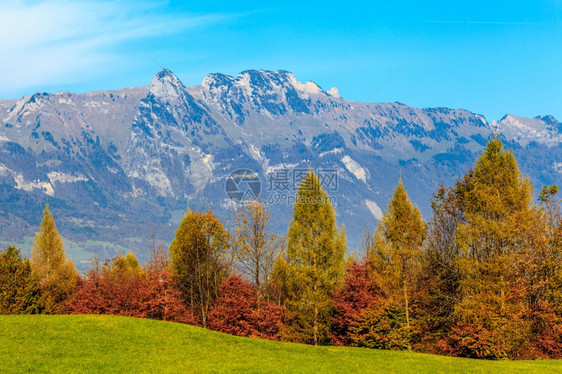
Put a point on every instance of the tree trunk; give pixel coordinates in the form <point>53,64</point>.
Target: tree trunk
<point>315,324</point>
<point>315,288</point>
<point>258,285</point>
<point>406,306</point>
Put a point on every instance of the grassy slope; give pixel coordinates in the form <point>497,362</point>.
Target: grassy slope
<point>119,344</point>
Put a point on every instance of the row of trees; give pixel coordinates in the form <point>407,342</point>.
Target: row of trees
<point>43,285</point>
<point>483,278</point>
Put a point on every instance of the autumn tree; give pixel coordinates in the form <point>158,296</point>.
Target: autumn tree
<point>120,286</point>
<point>165,299</point>
<point>313,265</point>
<point>484,248</point>
<point>198,265</point>
<point>439,281</point>
<point>540,276</point>
<point>397,248</point>
<point>237,311</point>
<point>358,292</point>
<point>496,230</point>
<point>255,247</point>
<point>278,287</point>
<point>114,287</point>
<point>57,274</point>
<point>19,288</point>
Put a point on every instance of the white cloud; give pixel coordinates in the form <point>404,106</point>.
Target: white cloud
<point>63,41</point>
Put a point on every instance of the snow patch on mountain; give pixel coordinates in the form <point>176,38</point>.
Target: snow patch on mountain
<point>28,186</point>
<point>157,179</point>
<point>243,82</point>
<point>354,168</point>
<point>4,171</point>
<point>256,154</point>
<point>374,209</point>
<point>273,168</point>
<point>56,176</point>
<point>200,171</point>
<point>334,151</point>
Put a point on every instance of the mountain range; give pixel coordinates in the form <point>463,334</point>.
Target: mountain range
<point>119,168</point>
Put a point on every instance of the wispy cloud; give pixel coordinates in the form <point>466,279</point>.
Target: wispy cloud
<point>480,22</point>
<point>57,41</point>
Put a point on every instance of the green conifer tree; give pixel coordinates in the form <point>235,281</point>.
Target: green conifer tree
<point>19,289</point>
<point>314,263</point>
<point>57,275</point>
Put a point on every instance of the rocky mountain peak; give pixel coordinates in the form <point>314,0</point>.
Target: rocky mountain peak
<point>334,92</point>
<point>166,84</point>
<point>542,129</point>
<point>550,120</point>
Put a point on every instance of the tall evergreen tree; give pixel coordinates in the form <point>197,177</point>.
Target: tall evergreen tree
<point>314,263</point>
<point>197,252</point>
<point>57,274</point>
<point>498,219</point>
<point>491,226</point>
<point>19,289</point>
<point>398,242</point>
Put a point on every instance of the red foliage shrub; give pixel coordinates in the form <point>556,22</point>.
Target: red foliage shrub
<point>547,342</point>
<point>473,342</point>
<point>550,341</point>
<point>139,294</point>
<point>359,292</point>
<point>238,312</point>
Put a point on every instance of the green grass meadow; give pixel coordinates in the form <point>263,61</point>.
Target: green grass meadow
<point>110,344</point>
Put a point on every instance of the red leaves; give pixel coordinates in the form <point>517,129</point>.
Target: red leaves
<point>238,312</point>
<point>548,326</point>
<point>144,295</point>
<point>359,291</point>
<point>473,342</point>
<point>364,316</point>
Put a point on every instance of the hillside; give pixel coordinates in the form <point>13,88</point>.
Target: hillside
<point>118,344</point>
<point>119,167</point>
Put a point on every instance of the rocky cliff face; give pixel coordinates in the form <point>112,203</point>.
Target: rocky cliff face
<point>121,166</point>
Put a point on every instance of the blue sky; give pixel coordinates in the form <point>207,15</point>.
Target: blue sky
<point>491,57</point>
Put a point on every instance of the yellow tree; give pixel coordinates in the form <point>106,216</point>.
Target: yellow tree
<point>314,263</point>
<point>198,264</point>
<point>255,248</point>
<point>498,227</point>
<point>398,240</point>
<point>542,277</point>
<point>57,275</point>
<point>126,266</point>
